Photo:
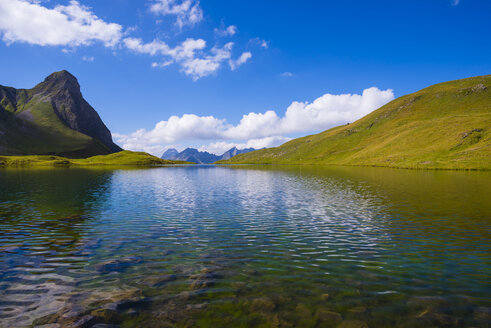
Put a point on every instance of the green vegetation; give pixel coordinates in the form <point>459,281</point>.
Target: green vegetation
<point>445,126</point>
<point>125,157</point>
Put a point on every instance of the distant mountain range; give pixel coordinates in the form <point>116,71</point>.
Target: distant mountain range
<point>444,126</point>
<point>52,119</point>
<point>202,157</point>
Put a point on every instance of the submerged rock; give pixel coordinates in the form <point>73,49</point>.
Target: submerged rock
<point>125,300</point>
<point>205,279</point>
<point>201,284</point>
<point>73,321</point>
<point>117,265</point>
<point>89,310</point>
<point>106,315</point>
<point>204,275</point>
<point>65,317</point>
<point>85,321</point>
<point>160,280</point>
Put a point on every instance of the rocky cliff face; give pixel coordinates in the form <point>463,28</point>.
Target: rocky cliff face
<point>52,118</point>
<point>68,103</point>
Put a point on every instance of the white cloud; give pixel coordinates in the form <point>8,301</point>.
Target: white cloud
<point>71,25</point>
<point>162,64</point>
<point>154,149</point>
<point>75,25</point>
<point>239,61</point>
<point>229,31</point>
<point>287,74</point>
<point>267,142</point>
<point>260,129</point>
<point>220,147</point>
<point>175,129</point>
<point>200,67</point>
<point>300,117</point>
<point>187,12</point>
<point>153,48</point>
<point>185,50</point>
<point>88,58</point>
<point>262,43</point>
<point>186,54</point>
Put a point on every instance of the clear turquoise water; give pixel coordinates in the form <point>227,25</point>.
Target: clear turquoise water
<point>245,246</point>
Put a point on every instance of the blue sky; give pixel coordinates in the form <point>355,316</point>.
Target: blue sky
<point>251,73</point>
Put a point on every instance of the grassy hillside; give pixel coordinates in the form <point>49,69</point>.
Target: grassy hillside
<point>20,137</point>
<point>125,157</point>
<point>445,126</point>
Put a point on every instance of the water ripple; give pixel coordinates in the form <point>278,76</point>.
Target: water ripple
<point>216,246</point>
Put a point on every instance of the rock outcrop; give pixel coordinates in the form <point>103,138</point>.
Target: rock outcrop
<point>52,118</point>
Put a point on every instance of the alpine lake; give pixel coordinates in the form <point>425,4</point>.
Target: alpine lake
<point>245,246</point>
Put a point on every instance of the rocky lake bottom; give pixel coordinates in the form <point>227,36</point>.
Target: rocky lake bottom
<point>244,246</point>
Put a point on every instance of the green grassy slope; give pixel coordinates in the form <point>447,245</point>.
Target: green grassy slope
<point>443,126</point>
<point>44,133</point>
<point>125,157</point>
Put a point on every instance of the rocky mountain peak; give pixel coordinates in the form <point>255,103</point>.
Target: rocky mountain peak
<point>59,81</point>
<point>62,90</point>
<point>62,75</point>
<point>41,118</point>
<point>201,157</point>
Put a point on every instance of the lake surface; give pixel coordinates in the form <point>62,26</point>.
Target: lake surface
<point>245,246</point>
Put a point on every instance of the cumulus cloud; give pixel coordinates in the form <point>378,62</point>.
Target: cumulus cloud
<point>71,25</point>
<point>220,147</point>
<point>260,130</point>
<point>188,54</point>
<point>187,12</point>
<point>229,31</point>
<point>204,66</point>
<point>187,49</point>
<point>239,61</point>
<point>76,25</point>
<point>175,129</point>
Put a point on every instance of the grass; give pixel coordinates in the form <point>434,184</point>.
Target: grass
<point>445,126</point>
<point>123,158</point>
